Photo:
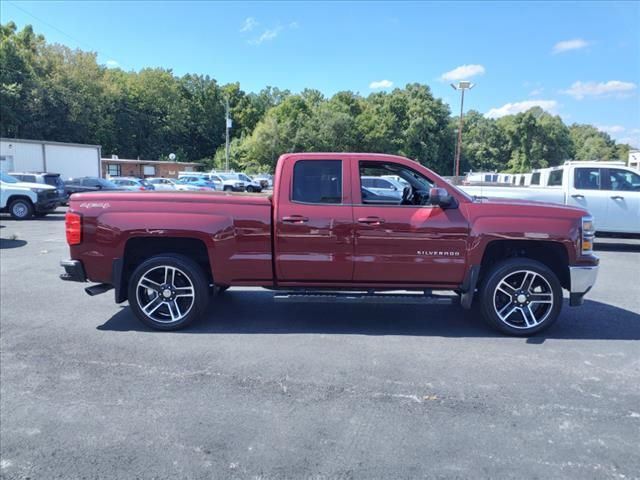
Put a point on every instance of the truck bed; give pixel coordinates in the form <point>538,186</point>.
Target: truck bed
<point>538,194</point>
<point>235,228</point>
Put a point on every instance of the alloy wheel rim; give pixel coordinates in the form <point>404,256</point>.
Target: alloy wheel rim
<point>523,299</point>
<point>165,294</point>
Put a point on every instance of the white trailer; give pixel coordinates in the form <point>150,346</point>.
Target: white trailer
<point>67,159</point>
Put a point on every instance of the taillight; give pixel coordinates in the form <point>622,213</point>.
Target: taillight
<point>142,188</point>
<point>73,228</point>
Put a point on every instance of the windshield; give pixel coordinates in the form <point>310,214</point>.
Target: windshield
<point>8,178</point>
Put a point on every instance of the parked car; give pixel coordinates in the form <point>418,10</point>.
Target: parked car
<point>238,182</point>
<point>265,180</point>
<point>228,182</point>
<point>200,182</point>
<point>610,191</point>
<point>385,187</point>
<point>132,183</point>
<point>23,200</point>
<point>51,179</point>
<point>88,184</point>
<point>318,232</point>
<point>162,183</point>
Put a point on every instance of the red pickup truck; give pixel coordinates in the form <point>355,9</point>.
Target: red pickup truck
<point>323,235</point>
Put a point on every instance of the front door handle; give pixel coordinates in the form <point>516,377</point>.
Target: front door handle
<point>371,220</point>
<point>577,195</point>
<point>295,219</point>
<point>617,197</point>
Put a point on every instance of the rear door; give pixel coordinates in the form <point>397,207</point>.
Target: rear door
<point>586,190</point>
<point>314,222</point>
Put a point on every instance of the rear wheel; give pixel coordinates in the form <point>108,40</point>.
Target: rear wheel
<point>521,297</point>
<point>168,292</point>
<point>21,209</point>
<point>250,189</point>
<point>227,188</point>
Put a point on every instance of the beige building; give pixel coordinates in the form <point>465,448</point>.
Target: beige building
<point>120,167</point>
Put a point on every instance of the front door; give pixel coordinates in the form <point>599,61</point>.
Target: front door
<point>406,241</point>
<point>314,222</point>
<point>623,204</point>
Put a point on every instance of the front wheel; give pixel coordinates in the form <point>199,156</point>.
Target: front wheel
<point>520,297</point>
<point>168,292</point>
<point>250,189</point>
<point>21,209</point>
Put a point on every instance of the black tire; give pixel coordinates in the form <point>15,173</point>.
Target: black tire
<point>21,209</point>
<point>228,188</point>
<point>528,301</point>
<point>187,274</point>
<point>250,189</point>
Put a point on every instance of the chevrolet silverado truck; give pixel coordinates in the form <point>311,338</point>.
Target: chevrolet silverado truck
<point>323,236</point>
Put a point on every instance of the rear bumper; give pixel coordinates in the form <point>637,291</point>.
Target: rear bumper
<point>73,271</point>
<point>582,280</point>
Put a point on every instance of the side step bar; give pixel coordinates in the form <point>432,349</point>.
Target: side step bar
<point>377,298</point>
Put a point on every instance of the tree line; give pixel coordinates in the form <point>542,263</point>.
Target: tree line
<point>51,92</point>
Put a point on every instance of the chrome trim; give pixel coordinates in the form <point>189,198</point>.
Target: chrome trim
<point>582,278</point>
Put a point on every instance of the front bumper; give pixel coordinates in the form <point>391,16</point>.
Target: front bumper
<point>73,271</point>
<point>47,201</point>
<point>582,279</point>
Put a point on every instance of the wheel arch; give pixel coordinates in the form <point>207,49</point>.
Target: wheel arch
<point>552,254</point>
<point>140,248</point>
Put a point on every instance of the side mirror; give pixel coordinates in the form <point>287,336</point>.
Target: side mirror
<point>440,197</point>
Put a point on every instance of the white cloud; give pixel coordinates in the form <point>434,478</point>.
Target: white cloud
<point>567,45</point>
<point>463,72</point>
<point>112,64</point>
<point>536,91</point>
<point>580,90</point>
<point>381,84</point>
<point>249,24</point>
<point>610,129</point>
<point>267,35</point>
<point>518,107</point>
<point>294,25</point>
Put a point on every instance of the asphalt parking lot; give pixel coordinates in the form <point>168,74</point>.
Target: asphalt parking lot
<point>265,390</point>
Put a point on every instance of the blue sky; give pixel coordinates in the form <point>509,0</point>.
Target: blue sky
<point>580,60</point>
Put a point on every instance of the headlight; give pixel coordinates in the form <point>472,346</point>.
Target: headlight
<point>38,190</point>
<point>588,233</point>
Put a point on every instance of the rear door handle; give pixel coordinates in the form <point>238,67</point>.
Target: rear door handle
<point>577,195</point>
<point>371,220</point>
<point>617,197</point>
<point>295,219</point>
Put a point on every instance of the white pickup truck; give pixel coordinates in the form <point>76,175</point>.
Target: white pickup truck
<point>23,200</point>
<point>610,191</point>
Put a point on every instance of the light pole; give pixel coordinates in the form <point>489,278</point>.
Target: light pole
<point>227,127</point>
<point>462,86</point>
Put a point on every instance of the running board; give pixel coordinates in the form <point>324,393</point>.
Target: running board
<point>377,298</point>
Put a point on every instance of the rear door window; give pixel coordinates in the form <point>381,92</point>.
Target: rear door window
<point>317,181</point>
<point>587,178</point>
